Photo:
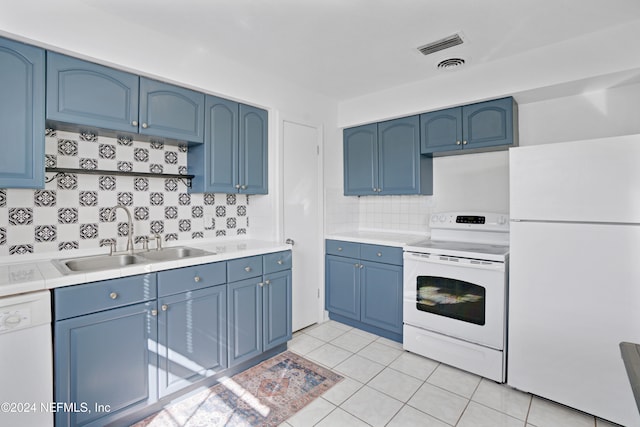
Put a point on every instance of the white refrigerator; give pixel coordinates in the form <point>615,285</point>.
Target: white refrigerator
<point>574,280</point>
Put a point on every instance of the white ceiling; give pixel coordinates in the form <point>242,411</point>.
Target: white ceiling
<point>339,48</point>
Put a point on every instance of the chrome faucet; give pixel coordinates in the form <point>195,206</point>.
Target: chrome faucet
<point>112,216</point>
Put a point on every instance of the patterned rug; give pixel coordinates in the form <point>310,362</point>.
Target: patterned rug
<point>264,395</point>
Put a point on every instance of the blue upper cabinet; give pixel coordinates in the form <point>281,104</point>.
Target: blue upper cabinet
<point>22,74</point>
<point>234,157</point>
<point>361,160</point>
<point>81,93</point>
<point>401,168</point>
<point>489,124</point>
<point>253,159</point>
<point>441,130</point>
<point>84,93</point>
<point>384,158</point>
<point>485,125</point>
<point>170,111</point>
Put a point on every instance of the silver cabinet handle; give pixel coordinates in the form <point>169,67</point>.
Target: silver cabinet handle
<point>340,249</point>
<point>113,295</point>
<point>361,266</point>
<point>290,242</point>
<point>267,282</point>
<point>379,254</point>
<point>280,262</point>
<point>144,125</point>
<point>457,142</point>
<point>464,142</point>
<point>164,307</point>
<point>134,123</point>
<point>237,186</point>
<point>261,284</point>
<point>196,279</point>
<point>356,265</point>
<point>247,269</point>
<point>154,312</point>
<point>243,187</point>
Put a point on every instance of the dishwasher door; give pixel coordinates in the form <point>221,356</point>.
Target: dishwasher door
<point>26,372</point>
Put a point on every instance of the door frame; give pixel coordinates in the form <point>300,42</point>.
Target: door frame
<point>290,118</point>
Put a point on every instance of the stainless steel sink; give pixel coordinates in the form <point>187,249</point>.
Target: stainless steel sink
<point>107,262</point>
<point>96,263</point>
<point>173,253</point>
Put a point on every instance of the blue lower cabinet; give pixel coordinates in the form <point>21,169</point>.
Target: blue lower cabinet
<point>105,364</point>
<point>381,296</point>
<point>363,293</point>
<point>259,312</point>
<point>276,303</point>
<point>343,286</point>
<point>244,305</point>
<point>192,337</point>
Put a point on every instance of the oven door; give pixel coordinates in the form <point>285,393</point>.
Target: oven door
<point>458,297</point>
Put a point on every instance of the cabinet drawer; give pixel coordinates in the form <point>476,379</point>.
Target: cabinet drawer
<point>97,296</point>
<point>190,278</point>
<point>385,254</point>
<point>342,248</point>
<point>276,262</point>
<point>244,268</point>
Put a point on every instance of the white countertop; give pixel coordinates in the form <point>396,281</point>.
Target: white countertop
<point>34,275</point>
<point>378,237</point>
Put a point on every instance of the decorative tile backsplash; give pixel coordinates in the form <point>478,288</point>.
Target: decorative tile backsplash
<point>73,211</point>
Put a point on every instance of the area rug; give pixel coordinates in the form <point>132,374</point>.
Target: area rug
<point>264,395</point>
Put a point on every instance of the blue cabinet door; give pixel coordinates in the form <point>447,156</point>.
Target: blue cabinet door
<point>381,293</point>
<point>170,111</point>
<point>234,157</point>
<point>215,163</point>
<point>361,160</point>
<point>401,168</point>
<point>253,150</point>
<point>192,333</point>
<point>244,309</point>
<point>84,93</point>
<point>489,124</point>
<point>343,286</point>
<point>105,358</point>
<point>22,73</point>
<point>441,131</point>
<point>276,302</point>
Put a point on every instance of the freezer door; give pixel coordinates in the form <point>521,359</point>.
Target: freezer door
<point>593,181</point>
<point>574,295</point>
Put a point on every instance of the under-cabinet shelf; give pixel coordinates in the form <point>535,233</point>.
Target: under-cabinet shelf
<point>64,171</point>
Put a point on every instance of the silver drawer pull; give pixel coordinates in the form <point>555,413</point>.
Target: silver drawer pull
<point>261,284</point>
<point>361,266</point>
<point>356,265</point>
<point>247,269</point>
<point>164,307</point>
<point>154,312</point>
<point>196,279</point>
<point>379,254</point>
<point>280,262</point>
<point>340,249</point>
<point>267,282</point>
<point>113,295</point>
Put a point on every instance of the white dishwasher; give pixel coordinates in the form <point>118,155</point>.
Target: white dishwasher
<point>26,372</point>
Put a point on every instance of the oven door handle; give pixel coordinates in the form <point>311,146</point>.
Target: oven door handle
<point>452,261</point>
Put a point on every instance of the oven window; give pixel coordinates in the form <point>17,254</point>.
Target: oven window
<point>451,298</point>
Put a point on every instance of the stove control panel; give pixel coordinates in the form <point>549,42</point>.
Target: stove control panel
<point>481,221</point>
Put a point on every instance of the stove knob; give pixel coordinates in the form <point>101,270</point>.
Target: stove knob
<point>502,220</point>
<point>434,218</point>
<point>443,218</point>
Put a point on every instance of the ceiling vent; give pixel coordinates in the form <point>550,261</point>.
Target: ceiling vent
<point>441,44</point>
<point>451,63</point>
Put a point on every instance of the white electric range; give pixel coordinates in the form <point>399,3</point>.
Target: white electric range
<point>455,292</point>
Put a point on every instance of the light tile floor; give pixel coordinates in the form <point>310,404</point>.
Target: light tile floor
<point>387,386</point>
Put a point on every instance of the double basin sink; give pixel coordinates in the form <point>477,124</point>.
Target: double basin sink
<point>107,262</point>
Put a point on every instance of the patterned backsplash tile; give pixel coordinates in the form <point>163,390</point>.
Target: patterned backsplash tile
<point>73,211</point>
